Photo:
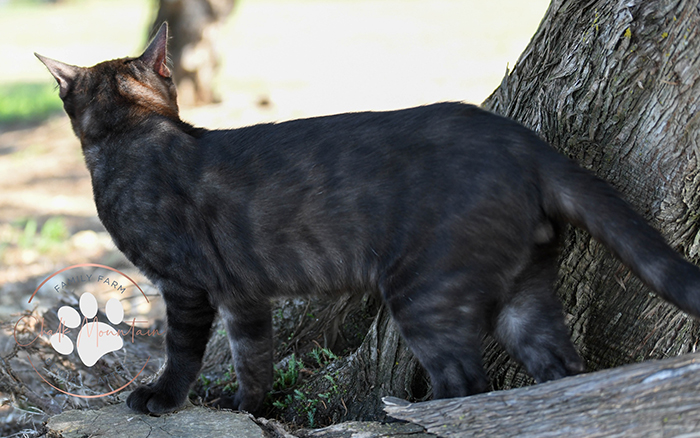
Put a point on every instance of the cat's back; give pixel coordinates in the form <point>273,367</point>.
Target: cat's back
<point>446,158</point>
<point>445,134</point>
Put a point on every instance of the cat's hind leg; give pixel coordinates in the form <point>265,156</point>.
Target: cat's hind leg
<point>530,324</point>
<point>444,336</point>
<point>189,321</point>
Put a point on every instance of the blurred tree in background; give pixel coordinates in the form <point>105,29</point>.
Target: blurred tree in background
<point>193,28</point>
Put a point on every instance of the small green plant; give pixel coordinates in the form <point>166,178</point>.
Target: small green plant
<point>283,404</point>
<point>230,372</point>
<point>231,387</point>
<point>206,381</point>
<point>299,395</point>
<point>226,381</point>
<point>333,382</point>
<point>285,379</point>
<point>295,395</point>
<point>333,390</point>
<point>308,406</point>
<point>323,356</point>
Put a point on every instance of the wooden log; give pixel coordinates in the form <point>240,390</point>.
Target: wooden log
<point>658,398</point>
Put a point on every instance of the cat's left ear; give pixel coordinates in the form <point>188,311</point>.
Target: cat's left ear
<point>156,54</point>
<point>65,74</point>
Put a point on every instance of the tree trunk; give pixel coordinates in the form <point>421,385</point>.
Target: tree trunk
<point>613,84</point>
<point>193,27</point>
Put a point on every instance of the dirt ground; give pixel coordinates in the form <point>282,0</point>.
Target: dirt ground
<point>303,57</point>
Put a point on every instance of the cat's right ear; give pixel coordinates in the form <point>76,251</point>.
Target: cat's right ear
<point>65,74</point>
<point>156,54</point>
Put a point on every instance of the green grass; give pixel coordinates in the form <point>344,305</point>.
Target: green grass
<point>80,32</point>
<point>25,234</point>
<point>21,102</point>
<point>53,233</point>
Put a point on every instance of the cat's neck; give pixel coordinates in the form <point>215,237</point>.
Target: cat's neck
<point>154,130</point>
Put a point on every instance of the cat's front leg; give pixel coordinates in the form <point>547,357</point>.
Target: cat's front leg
<point>249,329</point>
<point>189,321</point>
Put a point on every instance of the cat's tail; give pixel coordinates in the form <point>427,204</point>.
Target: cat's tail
<point>579,197</point>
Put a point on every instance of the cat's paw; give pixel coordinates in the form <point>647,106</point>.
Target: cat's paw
<point>146,399</point>
<point>239,402</point>
<point>226,402</point>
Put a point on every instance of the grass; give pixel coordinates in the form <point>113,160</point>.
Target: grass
<point>26,234</point>
<point>28,102</point>
<point>53,233</point>
<point>80,32</point>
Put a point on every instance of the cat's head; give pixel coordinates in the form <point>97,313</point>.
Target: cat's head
<point>112,93</point>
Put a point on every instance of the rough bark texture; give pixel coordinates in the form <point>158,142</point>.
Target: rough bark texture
<point>651,399</point>
<point>613,84</point>
<point>195,59</point>
<point>367,429</point>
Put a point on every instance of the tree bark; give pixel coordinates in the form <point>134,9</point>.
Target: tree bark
<point>192,49</point>
<point>650,399</point>
<point>613,84</point>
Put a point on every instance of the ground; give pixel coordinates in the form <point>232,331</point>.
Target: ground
<point>281,60</point>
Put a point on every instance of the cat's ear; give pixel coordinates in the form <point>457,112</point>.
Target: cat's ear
<point>65,74</point>
<point>156,54</point>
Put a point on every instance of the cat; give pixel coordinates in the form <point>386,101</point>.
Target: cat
<point>453,214</point>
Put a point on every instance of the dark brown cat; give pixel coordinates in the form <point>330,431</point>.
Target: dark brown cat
<point>453,214</point>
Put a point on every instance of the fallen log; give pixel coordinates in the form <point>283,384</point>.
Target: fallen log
<point>659,398</point>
